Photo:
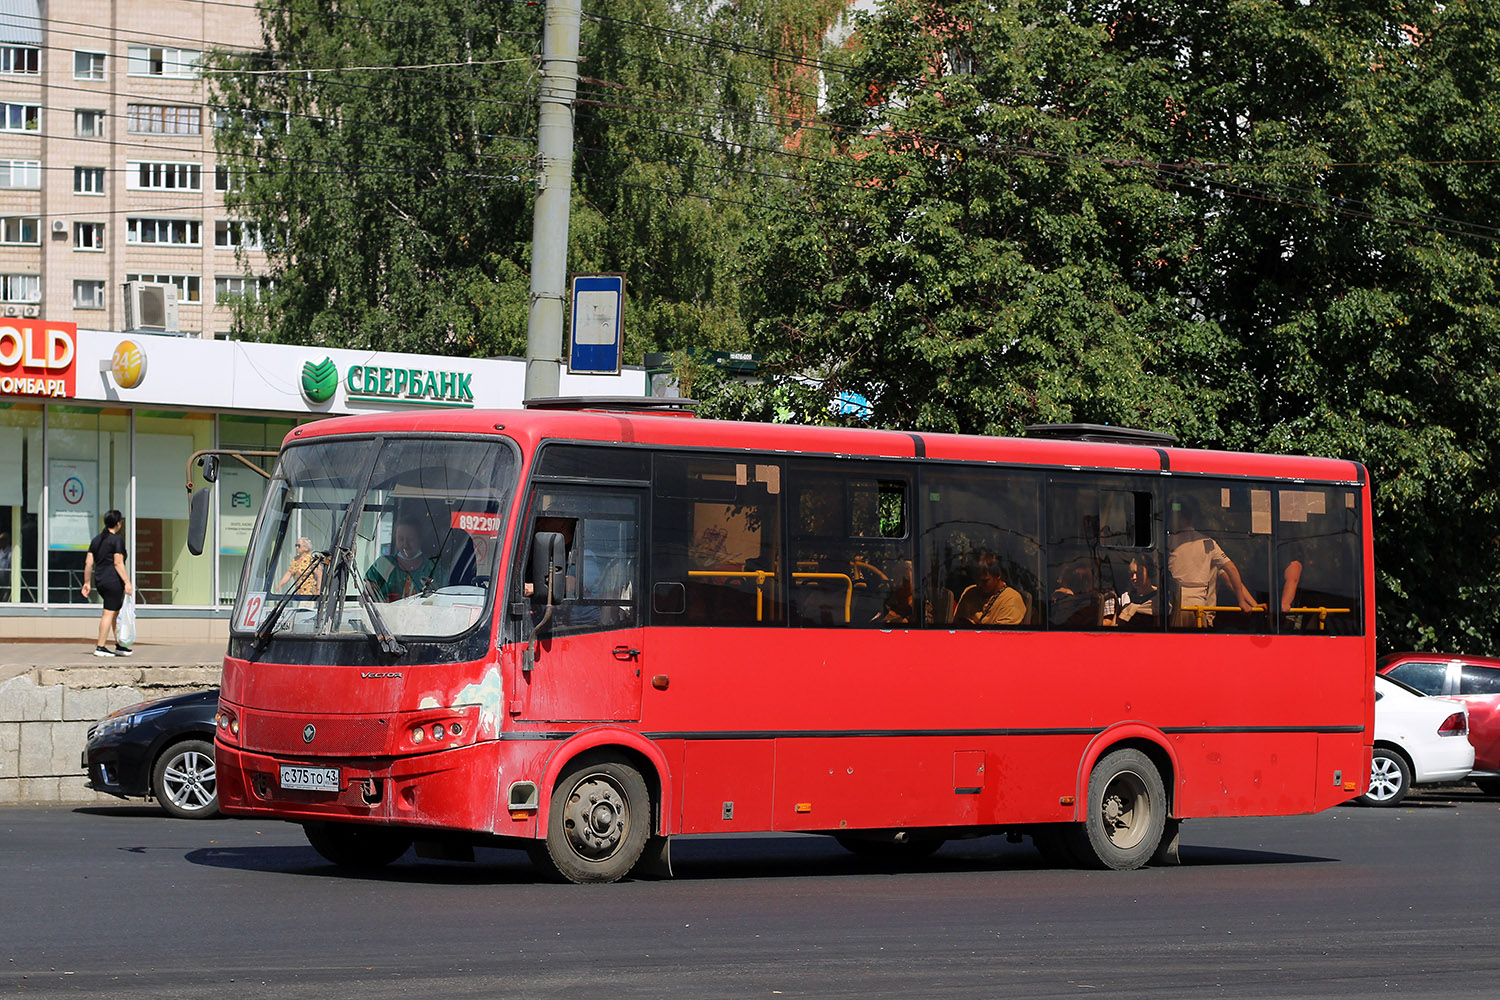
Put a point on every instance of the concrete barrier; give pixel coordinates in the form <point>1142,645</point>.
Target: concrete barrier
<point>46,711</point>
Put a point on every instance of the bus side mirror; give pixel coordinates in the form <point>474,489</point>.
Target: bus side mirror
<point>210,466</point>
<point>198,519</point>
<point>549,561</point>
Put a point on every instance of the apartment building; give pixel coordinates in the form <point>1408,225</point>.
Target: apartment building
<point>107,167</point>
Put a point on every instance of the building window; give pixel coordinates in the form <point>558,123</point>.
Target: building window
<point>88,295</point>
<point>227,179</point>
<point>20,173</point>
<point>172,232</point>
<point>181,64</point>
<point>88,180</point>
<point>88,123</point>
<point>189,286</point>
<point>20,60</point>
<point>163,176</point>
<point>164,119</point>
<point>88,65</point>
<point>20,117</point>
<point>21,229</point>
<point>20,288</point>
<point>237,234</point>
<point>88,236</point>
<point>238,286</point>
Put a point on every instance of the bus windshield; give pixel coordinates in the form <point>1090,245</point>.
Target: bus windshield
<point>374,536</point>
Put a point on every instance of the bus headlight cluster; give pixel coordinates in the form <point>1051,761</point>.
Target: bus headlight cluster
<point>437,732</point>
<point>227,721</point>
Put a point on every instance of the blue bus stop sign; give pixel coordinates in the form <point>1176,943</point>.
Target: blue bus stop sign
<point>596,336</point>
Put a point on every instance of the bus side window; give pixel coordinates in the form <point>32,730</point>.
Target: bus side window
<point>1218,557</point>
<point>973,520</point>
<point>1317,561</point>
<point>851,546</point>
<point>716,541</point>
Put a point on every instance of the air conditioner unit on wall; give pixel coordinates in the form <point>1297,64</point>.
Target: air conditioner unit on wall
<point>12,310</point>
<point>150,306</point>
<point>59,226</point>
<point>31,312</point>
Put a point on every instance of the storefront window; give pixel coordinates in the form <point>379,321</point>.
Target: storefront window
<point>165,572</point>
<point>240,492</point>
<point>87,473</point>
<point>20,500</point>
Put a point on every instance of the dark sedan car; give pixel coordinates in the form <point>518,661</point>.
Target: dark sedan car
<point>158,749</point>
<point>1473,680</point>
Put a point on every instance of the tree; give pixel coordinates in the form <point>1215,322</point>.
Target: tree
<point>1249,224</point>
<point>386,149</point>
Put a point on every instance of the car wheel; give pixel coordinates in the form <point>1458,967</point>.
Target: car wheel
<point>1390,779</point>
<point>184,780</point>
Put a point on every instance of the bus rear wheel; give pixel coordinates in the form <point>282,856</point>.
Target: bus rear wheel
<point>1127,812</point>
<point>598,822</point>
<point>351,845</point>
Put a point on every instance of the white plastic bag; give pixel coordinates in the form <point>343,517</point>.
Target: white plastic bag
<point>125,623</point>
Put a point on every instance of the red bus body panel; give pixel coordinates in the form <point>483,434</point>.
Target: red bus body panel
<point>741,730</point>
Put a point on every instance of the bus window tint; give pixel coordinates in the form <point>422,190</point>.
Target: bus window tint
<point>1100,555</point>
<point>601,532</point>
<point>1318,560</point>
<point>1218,557</point>
<point>981,548</point>
<point>716,541</point>
<point>851,551</point>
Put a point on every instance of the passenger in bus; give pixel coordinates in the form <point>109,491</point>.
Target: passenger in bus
<point>407,569</point>
<point>1137,604</point>
<point>1075,600</point>
<point>312,583</point>
<point>991,601</point>
<point>1196,562</point>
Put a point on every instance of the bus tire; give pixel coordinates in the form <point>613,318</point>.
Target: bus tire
<point>598,823</point>
<point>354,845</point>
<point>1127,812</point>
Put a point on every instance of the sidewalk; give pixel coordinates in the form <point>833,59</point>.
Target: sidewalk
<point>51,692</point>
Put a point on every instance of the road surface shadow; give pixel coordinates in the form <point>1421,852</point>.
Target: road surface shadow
<point>704,859</point>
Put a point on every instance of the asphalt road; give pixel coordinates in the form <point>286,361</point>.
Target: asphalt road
<point>123,902</point>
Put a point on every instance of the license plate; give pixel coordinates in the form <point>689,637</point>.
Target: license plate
<point>310,779</point>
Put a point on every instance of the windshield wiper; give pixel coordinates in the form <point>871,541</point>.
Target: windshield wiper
<point>267,624</point>
<point>382,631</point>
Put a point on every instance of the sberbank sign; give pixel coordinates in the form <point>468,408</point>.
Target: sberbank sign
<point>380,384</point>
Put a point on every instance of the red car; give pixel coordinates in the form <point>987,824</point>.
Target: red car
<point>1474,680</point>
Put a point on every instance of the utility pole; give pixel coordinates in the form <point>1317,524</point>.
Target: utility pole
<point>554,189</point>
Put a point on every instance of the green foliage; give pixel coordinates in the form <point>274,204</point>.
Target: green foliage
<point>1248,224</point>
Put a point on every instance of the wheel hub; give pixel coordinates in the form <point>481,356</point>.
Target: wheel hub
<point>596,817</point>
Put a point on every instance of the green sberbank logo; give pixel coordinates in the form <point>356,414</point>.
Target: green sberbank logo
<point>378,384</point>
<point>320,380</point>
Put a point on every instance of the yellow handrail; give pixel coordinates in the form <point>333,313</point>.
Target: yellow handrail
<point>760,575</point>
<point>1322,614</point>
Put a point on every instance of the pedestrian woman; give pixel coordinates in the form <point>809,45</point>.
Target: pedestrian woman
<point>105,567</point>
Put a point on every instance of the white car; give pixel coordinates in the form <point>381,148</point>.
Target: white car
<point>1419,740</point>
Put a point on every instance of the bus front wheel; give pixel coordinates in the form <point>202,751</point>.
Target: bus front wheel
<point>1127,812</point>
<point>598,823</point>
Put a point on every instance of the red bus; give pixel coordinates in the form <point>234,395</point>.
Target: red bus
<point>585,632</point>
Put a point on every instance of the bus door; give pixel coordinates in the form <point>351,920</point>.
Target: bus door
<point>589,650</point>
